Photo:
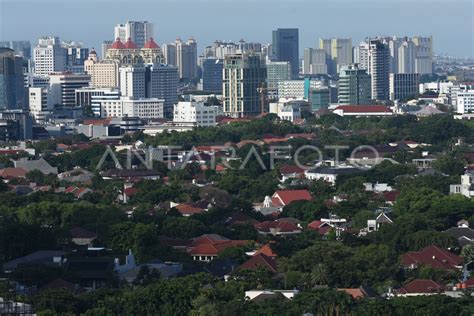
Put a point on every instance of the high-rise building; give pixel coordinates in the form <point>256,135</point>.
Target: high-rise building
<point>297,89</point>
<point>49,56</point>
<point>285,47</point>
<point>15,125</point>
<point>277,71</point>
<point>465,101</point>
<point>403,85</point>
<point>424,54</point>
<point>361,55</point>
<point>212,74</point>
<point>354,86</point>
<point>62,88</point>
<point>105,46</point>
<point>39,104</point>
<point>90,98</point>
<point>314,61</point>
<point>339,51</point>
<point>186,58</point>
<point>406,58</point>
<point>379,69</point>
<point>12,87</point>
<point>163,84</point>
<point>132,81</point>
<point>138,31</point>
<point>319,98</point>
<point>22,48</point>
<point>76,55</point>
<point>104,74</point>
<point>129,53</point>
<point>169,53</point>
<point>244,76</point>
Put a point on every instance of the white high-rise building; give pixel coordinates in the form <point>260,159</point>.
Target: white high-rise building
<point>465,101</point>
<point>339,51</point>
<point>49,56</point>
<point>132,81</point>
<point>361,55</point>
<point>62,88</point>
<point>314,61</point>
<point>39,103</point>
<point>195,113</point>
<point>424,54</point>
<point>169,53</point>
<point>138,31</point>
<point>406,58</point>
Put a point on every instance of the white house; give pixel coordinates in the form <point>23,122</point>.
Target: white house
<point>329,174</point>
<point>466,187</point>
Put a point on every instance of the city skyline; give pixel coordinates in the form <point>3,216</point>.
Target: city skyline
<point>317,20</point>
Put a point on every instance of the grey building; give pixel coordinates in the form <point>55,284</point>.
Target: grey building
<point>354,86</point>
<point>285,47</point>
<point>212,75</point>
<point>379,69</point>
<point>162,83</point>
<point>12,84</point>
<point>403,85</point>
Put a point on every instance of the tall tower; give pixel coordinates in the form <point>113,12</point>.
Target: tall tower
<point>138,31</point>
<point>49,56</point>
<point>285,47</point>
<point>244,77</point>
<point>379,69</point>
<point>354,86</point>
<point>12,90</point>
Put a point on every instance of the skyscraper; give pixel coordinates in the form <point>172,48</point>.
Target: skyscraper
<point>424,55</point>
<point>404,85</point>
<point>379,69</point>
<point>169,52</point>
<point>314,61</point>
<point>277,71</point>
<point>138,31</point>
<point>162,83</point>
<point>49,56</point>
<point>285,47</point>
<point>339,51</point>
<point>186,58</point>
<point>132,81</point>
<point>361,55</point>
<point>243,78</point>
<point>104,74</point>
<point>212,74</point>
<point>12,90</point>
<point>354,86</point>
<point>62,88</point>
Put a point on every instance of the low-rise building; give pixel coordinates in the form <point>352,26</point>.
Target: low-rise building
<point>195,113</point>
<point>363,110</point>
<point>466,187</point>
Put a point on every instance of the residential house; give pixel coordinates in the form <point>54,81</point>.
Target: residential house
<point>420,287</point>
<point>259,261</point>
<point>462,232</point>
<point>425,162</point>
<point>433,257</point>
<point>277,227</point>
<point>377,187</point>
<point>330,174</point>
<point>82,237</point>
<point>131,174</point>
<point>360,292</point>
<point>13,173</point>
<point>207,247</point>
<point>280,199</point>
<point>374,224</point>
<point>363,110</point>
<point>322,228</point>
<point>263,295</point>
<point>76,175</point>
<point>41,257</point>
<point>466,187</point>
<point>40,164</point>
<point>78,193</point>
<point>291,172</point>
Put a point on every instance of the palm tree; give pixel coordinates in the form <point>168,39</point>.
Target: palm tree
<point>319,275</point>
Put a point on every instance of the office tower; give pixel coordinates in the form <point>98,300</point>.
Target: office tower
<point>243,82</point>
<point>339,52</point>
<point>138,31</point>
<point>15,125</point>
<point>361,55</point>
<point>132,81</point>
<point>129,53</point>
<point>285,47</point>
<point>186,58</point>
<point>104,74</point>
<point>277,71</point>
<point>62,88</point>
<point>12,87</point>
<point>163,84</point>
<point>406,58</point>
<point>212,74</point>
<point>424,54</point>
<point>403,85</point>
<point>169,53</point>
<point>319,98</point>
<point>39,104</point>
<point>297,89</point>
<point>49,56</point>
<point>22,48</point>
<point>89,98</point>
<point>314,61</point>
<point>379,69</point>
<point>105,46</point>
<point>354,86</point>
<point>465,101</point>
<point>76,55</point>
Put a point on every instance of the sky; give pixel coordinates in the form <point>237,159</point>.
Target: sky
<point>450,22</point>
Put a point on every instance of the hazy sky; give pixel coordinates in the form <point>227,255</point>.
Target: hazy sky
<point>451,22</point>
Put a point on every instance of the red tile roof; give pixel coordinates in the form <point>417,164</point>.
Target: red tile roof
<point>391,196</point>
<point>151,44</point>
<point>278,225</point>
<point>13,173</point>
<point>433,257</point>
<point>117,44</point>
<point>130,191</point>
<point>287,196</point>
<point>187,209</point>
<point>320,227</point>
<point>266,250</point>
<point>355,293</point>
<point>129,44</point>
<point>363,108</point>
<point>257,261</point>
<point>213,249</point>
<point>421,286</point>
<point>287,169</point>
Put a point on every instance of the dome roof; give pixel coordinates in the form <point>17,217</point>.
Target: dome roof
<point>129,44</point>
<point>93,52</point>
<point>117,44</point>
<point>151,44</point>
